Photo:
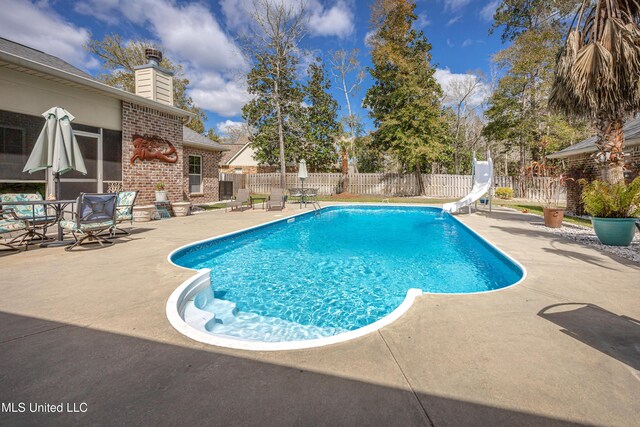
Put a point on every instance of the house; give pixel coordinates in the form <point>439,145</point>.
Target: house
<point>580,164</point>
<point>239,158</point>
<point>128,141</point>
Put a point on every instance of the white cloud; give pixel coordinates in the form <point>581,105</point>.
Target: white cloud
<point>489,10</point>
<point>422,21</point>
<point>453,20</point>
<point>367,38</point>
<point>335,20</point>
<point>454,5</point>
<point>450,43</point>
<point>41,27</point>
<point>193,37</point>
<point>469,42</point>
<point>229,125</point>
<point>448,80</point>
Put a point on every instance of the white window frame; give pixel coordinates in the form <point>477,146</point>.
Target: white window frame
<point>201,191</point>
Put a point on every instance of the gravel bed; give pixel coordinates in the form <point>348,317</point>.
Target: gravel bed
<point>587,236</point>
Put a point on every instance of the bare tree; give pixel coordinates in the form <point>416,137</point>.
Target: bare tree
<point>459,94</point>
<point>349,74</point>
<point>272,47</point>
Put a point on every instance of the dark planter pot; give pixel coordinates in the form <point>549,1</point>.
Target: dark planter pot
<point>553,217</point>
<point>614,231</point>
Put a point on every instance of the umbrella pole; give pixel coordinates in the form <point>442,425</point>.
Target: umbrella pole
<point>56,181</point>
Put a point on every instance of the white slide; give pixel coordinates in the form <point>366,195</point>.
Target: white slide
<point>482,180</point>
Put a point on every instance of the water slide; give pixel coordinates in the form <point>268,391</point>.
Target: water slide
<point>482,180</point>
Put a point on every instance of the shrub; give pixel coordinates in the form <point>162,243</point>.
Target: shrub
<point>504,192</point>
<point>159,186</point>
<point>604,200</point>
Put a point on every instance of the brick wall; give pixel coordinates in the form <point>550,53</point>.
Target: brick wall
<point>210,175</point>
<point>583,166</point>
<point>143,175</point>
<point>244,169</point>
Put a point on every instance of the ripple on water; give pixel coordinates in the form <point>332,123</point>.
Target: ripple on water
<point>343,269</point>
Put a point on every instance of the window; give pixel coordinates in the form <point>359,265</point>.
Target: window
<point>13,154</point>
<point>195,174</point>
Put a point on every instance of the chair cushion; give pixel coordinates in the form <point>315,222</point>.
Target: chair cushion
<point>124,215</point>
<point>7,226</point>
<point>125,198</point>
<point>24,211</point>
<point>71,225</point>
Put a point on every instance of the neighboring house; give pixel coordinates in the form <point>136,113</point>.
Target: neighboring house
<point>580,163</point>
<point>239,158</point>
<point>106,120</point>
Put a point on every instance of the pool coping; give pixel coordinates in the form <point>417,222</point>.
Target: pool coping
<point>202,279</point>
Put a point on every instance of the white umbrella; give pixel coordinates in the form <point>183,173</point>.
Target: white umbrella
<point>302,174</point>
<point>56,147</point>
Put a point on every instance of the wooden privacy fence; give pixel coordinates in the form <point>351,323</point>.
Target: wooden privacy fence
<point>386,184</point>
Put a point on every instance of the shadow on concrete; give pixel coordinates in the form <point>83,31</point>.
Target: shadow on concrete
<point>578,256</point>
<point>614,335</point>
<point>118,238</point>
<point>126,380</point>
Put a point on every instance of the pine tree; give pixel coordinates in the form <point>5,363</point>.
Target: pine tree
<point>261,112</point>
<point>322,127</point>
<point>405,97</point>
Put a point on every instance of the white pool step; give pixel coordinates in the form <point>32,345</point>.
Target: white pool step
<point>225,311</point>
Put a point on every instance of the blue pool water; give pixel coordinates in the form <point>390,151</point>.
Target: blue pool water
<point>342,269</point>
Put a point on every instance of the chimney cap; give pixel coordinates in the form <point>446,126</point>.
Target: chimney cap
<point>153,55</point>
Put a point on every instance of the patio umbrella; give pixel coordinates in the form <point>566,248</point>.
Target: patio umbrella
<point>302,174</point>
<point>56,147</point>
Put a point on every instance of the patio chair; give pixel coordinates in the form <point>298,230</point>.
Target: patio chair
<point>34,216</point>
<point>295,194</point>
<point>124,210</point>
<point>242,198</point>
<point>311,196</point>
<point>10,226</point>
<point>276,199</point>
<point>95,213</point>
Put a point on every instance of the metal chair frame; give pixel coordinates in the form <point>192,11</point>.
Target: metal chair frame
<point>93,235</point>
<point>9,244</point>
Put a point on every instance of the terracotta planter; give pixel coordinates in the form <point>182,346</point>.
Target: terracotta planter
<point>143,213</point>
<point>181,208</point>
<point>553,217</point>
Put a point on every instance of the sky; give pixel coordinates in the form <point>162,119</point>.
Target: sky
<point>199,34</point>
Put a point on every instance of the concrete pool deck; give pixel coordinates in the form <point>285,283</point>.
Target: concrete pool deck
<point>90,327</point>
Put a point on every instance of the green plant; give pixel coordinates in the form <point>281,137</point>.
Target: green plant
<point>504,192</point>
<point>604,200</point>
<point>159,186</point>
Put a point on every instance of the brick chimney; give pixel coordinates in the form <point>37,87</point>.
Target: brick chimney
<point>152,81</point>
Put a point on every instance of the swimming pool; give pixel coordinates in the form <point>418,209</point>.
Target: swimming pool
<point>333,272</point>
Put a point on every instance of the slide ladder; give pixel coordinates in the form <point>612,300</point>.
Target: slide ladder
<point>482,181</point>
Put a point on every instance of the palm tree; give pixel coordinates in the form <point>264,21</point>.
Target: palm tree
<point>598,75</point>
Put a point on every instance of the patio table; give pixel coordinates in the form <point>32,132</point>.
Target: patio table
<point>254,199</point>
<point>58,206</point>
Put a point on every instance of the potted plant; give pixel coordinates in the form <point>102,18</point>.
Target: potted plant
<point>614,209</point>
<point>161,194</point>
<point>551,183</point>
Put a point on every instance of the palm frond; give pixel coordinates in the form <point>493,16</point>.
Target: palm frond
<point>598,71</point>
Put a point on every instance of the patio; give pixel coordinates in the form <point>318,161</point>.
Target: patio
<point>95,331</point>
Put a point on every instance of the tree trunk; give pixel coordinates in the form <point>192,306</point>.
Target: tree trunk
<point>610,157</point>
<point>421,191</point>
<point>345,169</point>
<point>456,162</point>
<point>283,164</point>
